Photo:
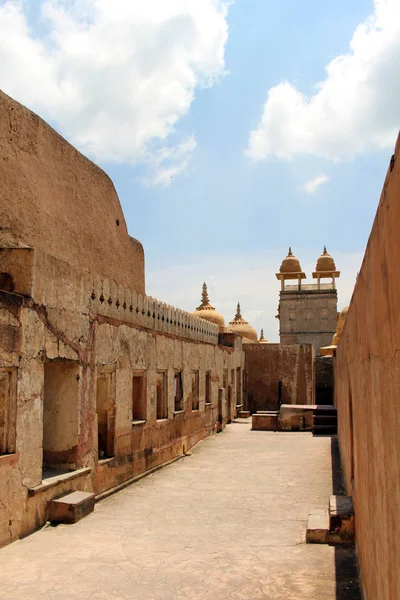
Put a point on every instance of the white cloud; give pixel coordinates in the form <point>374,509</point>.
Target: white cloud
<point>247,278</point>
<point>355,109</point>
<point>311,186</point>
<point>168,163</point>
<point>116,77</point>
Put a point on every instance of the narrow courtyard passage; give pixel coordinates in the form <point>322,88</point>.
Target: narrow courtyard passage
<point>229,521</point>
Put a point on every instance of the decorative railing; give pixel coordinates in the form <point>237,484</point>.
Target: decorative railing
<point>309,287</point>
<point>118,302</point>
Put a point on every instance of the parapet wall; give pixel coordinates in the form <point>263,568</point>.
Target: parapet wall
<point>54,199</point>
<point>117,302</point>
<point>367,381</point>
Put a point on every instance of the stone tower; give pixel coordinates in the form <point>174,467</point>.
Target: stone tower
<point>307,313</point>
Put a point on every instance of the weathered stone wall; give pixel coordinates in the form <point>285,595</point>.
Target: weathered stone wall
<point>266,364</point>
<point>324,380</point>
<point>308,317</point>
<point>55,345</point>
<point>54,199</point>
<point>367,381</point>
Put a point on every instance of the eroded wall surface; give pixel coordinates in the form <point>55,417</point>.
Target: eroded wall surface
<point>98,382</point>
<point>267,364</point>
<point>367,382</point>
<point>68,358</point>
<point>54,199</point>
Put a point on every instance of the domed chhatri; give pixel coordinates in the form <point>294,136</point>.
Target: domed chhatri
<point>243,328</point>
<point>262,339</point>
<point>207,312</point>
<point>325,267</point>
<point>290,269</point>
<point>325,263</point>
<point>290,264</point>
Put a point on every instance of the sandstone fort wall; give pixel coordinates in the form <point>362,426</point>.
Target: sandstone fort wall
<point>367,397</point>
<point>54,199</point>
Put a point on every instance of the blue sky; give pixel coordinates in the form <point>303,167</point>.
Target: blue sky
<point>230,207</point>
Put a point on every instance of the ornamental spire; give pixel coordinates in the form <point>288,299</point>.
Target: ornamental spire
<point>238,317</point>
<point>205,301</point>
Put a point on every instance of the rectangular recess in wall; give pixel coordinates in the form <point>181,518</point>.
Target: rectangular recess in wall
<point>178,391</point>
<point>162,395</point>
<point>238,386</point>
<point>208,391</point>
<point>139,395</point>
<point>8,410</point>
<point>195,390</point>
<point>60,415</point>
<point>105,409</point>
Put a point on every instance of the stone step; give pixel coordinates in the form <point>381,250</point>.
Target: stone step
<point>325,419</point>
<point>325,412</point>
<point>324,429</point>
<point>317,526</point>
<point>333,526</point>
<point>341,517</point>
<point>71,508</point>
<point>244,414</point>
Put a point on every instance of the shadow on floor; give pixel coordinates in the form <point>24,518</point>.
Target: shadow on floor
<point>347,579</point>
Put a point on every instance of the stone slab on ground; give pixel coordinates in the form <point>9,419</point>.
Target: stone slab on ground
<point>317,526</point>
<point>227,523</point>
<point>71,508</point>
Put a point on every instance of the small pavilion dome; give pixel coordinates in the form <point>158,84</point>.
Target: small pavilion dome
<point>207,312</point>
<point>243,328</point>
<point>262,339</point>
<point>325,263</point>
<point>290,264</point>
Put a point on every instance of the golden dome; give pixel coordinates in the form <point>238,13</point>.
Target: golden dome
<point>207,312</point>
<point>262,339</point>
<point>290,264</point>
<point>243,328</point>
<point>325,263</point>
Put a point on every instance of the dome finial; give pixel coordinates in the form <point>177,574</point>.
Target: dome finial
<point>204,295</point>
<point>290,251</point>
<point>238,313</point>
<point>205,301</point>
<point>325,251</point>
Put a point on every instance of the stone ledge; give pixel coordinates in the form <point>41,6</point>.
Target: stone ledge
<point>53,481</point>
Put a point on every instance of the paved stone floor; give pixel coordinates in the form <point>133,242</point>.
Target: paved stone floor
<point>228,522</point>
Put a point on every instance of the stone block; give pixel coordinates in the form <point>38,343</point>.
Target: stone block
<point>265,422</point>
<point>341,517</point>
<point>317,526</point>
<point>71,508</point>
<point>244,414</point>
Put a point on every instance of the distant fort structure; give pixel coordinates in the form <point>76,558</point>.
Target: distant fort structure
<point>307,313</point>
